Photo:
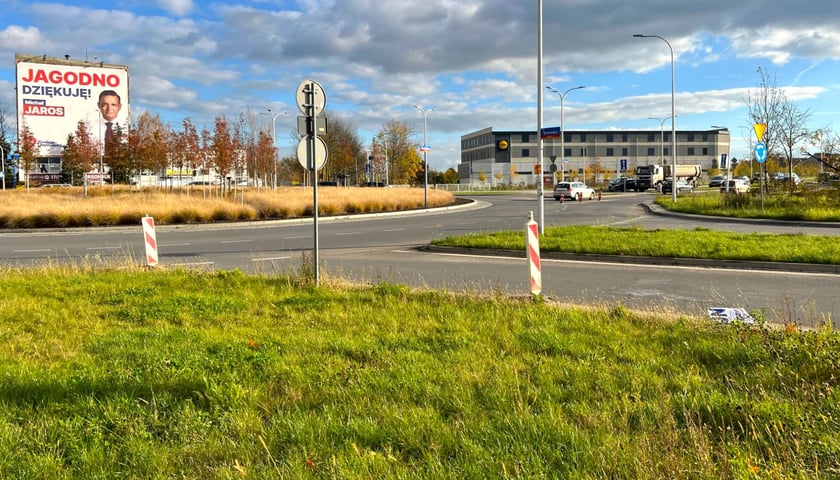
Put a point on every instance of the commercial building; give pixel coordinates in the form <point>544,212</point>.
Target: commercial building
<point>491,158</point>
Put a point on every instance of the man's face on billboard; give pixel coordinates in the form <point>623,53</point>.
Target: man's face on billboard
<point>109,105</point>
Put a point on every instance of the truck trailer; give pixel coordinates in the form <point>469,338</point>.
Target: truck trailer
<point>652,176</point>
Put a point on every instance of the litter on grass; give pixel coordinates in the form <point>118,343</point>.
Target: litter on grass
<point>730,315</point>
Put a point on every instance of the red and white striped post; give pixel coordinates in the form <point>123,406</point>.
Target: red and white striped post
<point>151,241</point>
<point>533,249</point>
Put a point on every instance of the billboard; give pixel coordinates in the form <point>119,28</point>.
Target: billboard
<point>54,94</point>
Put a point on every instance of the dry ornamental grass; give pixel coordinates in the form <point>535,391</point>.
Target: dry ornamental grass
<point>107,206</point>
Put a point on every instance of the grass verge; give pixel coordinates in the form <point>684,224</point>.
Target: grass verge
<point>633,241</point>
<point>805,205</point>
<point>131,374</point>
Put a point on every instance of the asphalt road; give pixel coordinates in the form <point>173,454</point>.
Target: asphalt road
<point>385,247</point>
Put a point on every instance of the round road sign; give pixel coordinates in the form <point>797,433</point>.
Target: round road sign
<point>320,153</point>
<point>319,100</point>
<point>760,152</point>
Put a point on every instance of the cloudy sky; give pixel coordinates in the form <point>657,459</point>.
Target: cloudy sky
<point>474,62</point>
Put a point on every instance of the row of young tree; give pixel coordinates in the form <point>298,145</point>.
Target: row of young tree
<point>230,149</point>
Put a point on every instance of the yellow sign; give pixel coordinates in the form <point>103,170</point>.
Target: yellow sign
<point>503,144</point>
<point>537,169</point>
<point>759,130</point>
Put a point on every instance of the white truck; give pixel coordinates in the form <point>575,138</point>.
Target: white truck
<point>652,176</point>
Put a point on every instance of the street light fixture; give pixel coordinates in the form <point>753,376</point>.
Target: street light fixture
<point>728,161</point>
<point>562,128</point>
<point>3,172</point>
<point>425,149</point>
<point>661,133</point>
<point>673,116</point>
<point>274,138</point>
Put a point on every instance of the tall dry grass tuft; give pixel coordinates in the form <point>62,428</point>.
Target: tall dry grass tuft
<point>107,206</point>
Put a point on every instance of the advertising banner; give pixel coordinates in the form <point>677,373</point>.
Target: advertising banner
<point>54,94</point>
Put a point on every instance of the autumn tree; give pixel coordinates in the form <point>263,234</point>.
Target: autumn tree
<point>265,157</point>
<point>223,147</point>
<point>150,143</point>
<point>345,150</point>
<point>405,164</point>
<point>81,153</point>
<point>28,150</point>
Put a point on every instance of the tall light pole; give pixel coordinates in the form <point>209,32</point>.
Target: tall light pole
<point>673,116</point>
<point>101,144</point>
<point>3,172</point>
<point>562,128</point>
<point>728,160</point>
<point>661,133</point>
<point>425,149</point>
<point>274,138</point>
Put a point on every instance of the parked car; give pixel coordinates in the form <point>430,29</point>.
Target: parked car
<point>622,184</point>
<point>784,177</point>
<point>737,185</point>
<point>717,181</point>
<point>571,190</point>
<point>682,186</point>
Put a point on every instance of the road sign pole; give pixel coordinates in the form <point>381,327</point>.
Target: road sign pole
<point>312,161</point>
<point>311,101</point>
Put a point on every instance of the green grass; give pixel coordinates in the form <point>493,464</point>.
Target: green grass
<point>174,374</point>
<point>697,243</point>
<point>805,205</point>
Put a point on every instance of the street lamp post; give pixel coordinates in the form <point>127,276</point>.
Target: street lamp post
<point>661,134</point>
<point>562,128</point>
<point>425,150</point>
<point>3,172</point>
<point>673,117</point>
<point>101,144</point>
<point>274,138</point>
<point>728,160</point>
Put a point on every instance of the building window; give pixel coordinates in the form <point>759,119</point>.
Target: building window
<point>610,152</point>
<point>582,137</point>
<point>567,137</point>
<point>567,152</point>
<point>665,152</point>
<point>525,138</point>
<point>624,137</point>
<point>705,151</point>
<point>650,138</point>
<point>625,152</point>
<point>691,151</point>
<point>609,137</point>
<point>651,152</point>
<point>526,152</point>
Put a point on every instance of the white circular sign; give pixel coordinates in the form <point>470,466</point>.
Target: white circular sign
<point>320,153</point>
<point>319,97</point>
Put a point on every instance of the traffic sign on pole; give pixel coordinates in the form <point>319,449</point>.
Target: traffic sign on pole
<point>759,130</point>
<point>760,152</point>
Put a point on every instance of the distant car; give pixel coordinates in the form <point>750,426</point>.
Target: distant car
<point>717,181</point>
<point>572,190</point>
<point>737,185</point>
<point>682,186</point>
<point>622,184</point>
<point>373,184</point>
<point>56,185</point>
<point>784,177</point>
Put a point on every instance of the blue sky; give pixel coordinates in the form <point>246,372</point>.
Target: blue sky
<point>474,62</point>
